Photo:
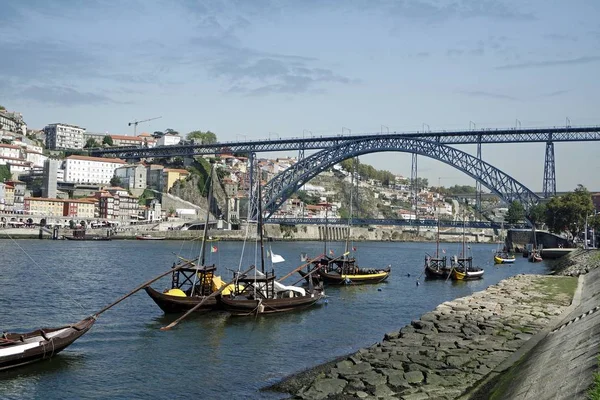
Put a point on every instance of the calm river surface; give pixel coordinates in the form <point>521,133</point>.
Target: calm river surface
<point>211,356</point>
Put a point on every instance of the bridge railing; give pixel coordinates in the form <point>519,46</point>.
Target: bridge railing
<point>390,221</point>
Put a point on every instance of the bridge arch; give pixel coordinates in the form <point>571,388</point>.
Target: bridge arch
<point>280,188</point>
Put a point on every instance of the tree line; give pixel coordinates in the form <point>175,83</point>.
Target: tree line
<point>560,214</point>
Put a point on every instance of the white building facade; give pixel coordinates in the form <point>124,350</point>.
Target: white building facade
<point>91,170</point>
<point>64,136</point>
<point>169,139</point>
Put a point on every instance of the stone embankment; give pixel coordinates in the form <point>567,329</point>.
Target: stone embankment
<point>447,351</point>
<point>577,263</point>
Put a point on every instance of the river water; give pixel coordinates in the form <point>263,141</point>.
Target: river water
<point>211,356</point>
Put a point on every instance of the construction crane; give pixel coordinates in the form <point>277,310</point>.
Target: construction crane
<point>136,122</point>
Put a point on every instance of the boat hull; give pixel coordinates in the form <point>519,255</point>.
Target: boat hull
<point>335,278</point>
<point>16,352</point>
<point>176,304</point>
<point>433,273</point>
<point>243,307</point>
<point>466,276</point>
<point>150,237</point>
<point>500,260</point>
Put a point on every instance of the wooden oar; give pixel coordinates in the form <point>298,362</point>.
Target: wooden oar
<point>213,294</point>
<point>143,285</point>
<point>300,267</point>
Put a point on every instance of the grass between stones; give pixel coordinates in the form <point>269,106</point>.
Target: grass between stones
<point>559,290</point>
<point>594,391</point>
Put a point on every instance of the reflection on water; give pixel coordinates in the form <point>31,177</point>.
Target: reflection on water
<point>126,356</point>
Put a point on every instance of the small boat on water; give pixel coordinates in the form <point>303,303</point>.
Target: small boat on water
<point>18,349</point>
<point>192,281</point>
<point>190,285</point>
<point>148,236</point>
<point>534,256</point>
<point>502,257</point>
<point>79,234</point>
<point>256,293</point>
<point>462,267</point>
<point>437,267</point>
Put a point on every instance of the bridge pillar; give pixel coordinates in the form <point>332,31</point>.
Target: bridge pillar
<point>414,183</point>
<point>252,209</point>
<point>549,171</point>
<point>477,182</point>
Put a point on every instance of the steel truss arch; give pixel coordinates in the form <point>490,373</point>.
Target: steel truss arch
<point>283,185</point>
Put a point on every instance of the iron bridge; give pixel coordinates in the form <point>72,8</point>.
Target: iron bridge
<point>390,221</point>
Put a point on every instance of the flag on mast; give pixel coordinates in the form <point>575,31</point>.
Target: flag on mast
<point>276,258</point>
<point>213,249</point>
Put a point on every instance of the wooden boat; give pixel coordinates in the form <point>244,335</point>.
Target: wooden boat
<point>189,286</point>
<point>18,349</point>
<point>257,293</point>
<point>148,236</point>
<point>436,267</point>
<point>192,282</point>
<point>462,268</point>
<point>502,257</point>
<point>353,275</point>
<point>79,234</point>
<point>534,256</point>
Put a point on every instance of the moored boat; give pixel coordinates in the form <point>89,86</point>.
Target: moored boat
<point>148,236</point>
<point>436,267</point>
<point>462,268</point>
<point>18,349</point>
<point>534,256</point>
<point>189,286</point>
<point>256,293</point>
<point>502,257</point>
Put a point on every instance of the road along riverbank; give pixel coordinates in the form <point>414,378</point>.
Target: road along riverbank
<point>448,350</point>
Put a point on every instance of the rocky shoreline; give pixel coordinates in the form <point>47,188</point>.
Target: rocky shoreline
<point>447,351</point>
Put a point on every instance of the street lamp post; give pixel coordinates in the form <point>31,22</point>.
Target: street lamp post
<point>349,130</point>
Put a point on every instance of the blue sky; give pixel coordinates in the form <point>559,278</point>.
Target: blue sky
<point>254,69</point>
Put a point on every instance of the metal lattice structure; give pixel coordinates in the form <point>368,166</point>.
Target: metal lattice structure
<point>287,182</point>
<point>484,136</point>
<point>396,221</point>
<point>549,187</point>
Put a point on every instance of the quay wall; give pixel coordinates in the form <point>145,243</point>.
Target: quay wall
<point>280,233</point>
<point>518,239</point>
<point>465,348</point>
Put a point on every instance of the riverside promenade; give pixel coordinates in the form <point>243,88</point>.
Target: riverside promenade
<point>527,337</point>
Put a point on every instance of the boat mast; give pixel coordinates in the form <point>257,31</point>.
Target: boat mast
<point>260,230</point>
<point>325,236</point>
<point>351,198</point>
<point>437,245</point>
<point>205,234</point>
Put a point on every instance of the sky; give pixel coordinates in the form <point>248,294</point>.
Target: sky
<point>269,69</point>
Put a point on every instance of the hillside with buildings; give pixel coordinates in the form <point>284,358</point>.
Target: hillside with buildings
<point>49,176</point>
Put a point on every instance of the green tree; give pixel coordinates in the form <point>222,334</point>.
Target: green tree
<point>171,131</point>
<point>5,174</point>
<point>207,137</point>
<point>516,213</point>
<point>90,143</point>
<point>107,140</point>
<point>2,108</point>
<point>115,181</point>
<point>537,214</point>
<point>567,213</point>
